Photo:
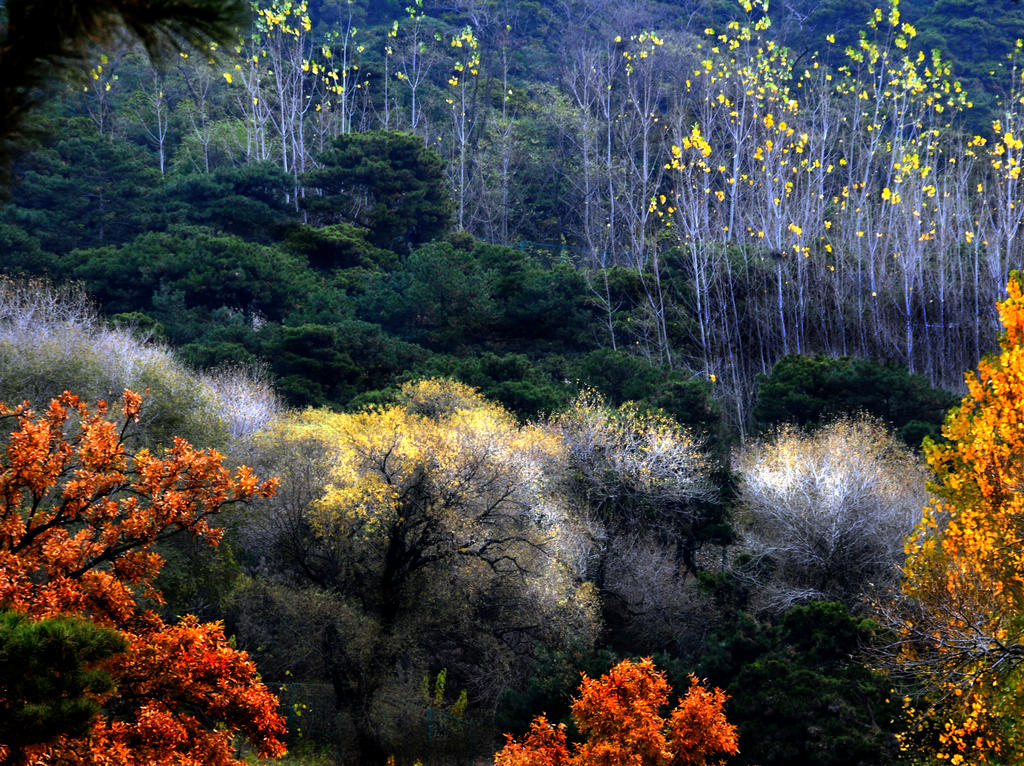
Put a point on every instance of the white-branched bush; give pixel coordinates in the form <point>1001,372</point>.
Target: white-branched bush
<point>630,466</point>
<point>642,484</point>
<point>52,339</point>
<point>823,515</point>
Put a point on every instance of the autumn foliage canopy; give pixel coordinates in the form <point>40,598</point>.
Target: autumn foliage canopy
<point>79,516</point>
<point>620,715</point>
<point>965,565</point>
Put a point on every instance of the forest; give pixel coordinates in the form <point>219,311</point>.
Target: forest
<point>512,381</point>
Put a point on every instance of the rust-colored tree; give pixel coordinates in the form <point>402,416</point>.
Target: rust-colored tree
<point>963,630</point>
<point>620,715</point>
<point>79,516</point>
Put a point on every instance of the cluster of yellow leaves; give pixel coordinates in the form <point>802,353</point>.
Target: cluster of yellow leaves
<point>470,451</point>
<point>291,18</point>
<point>770,156</point>
<point>642,46</point>
<point>444,475</point>
<point>965,566</point>
<point>444,490</point>
<point>284,28</point>
<point>465,40</point>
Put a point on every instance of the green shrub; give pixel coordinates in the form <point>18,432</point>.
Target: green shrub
<point>801,691</point>
<point>811,390</point>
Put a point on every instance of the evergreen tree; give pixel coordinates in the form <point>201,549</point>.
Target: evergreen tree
<point>388,183</point>
<point>43,39</point>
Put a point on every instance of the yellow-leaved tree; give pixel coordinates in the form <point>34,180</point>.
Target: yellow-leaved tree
<point>420,536</point>
<point>964,576</point>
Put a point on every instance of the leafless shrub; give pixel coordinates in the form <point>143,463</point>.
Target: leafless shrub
<point>52,339</point>
<point>247,401</point>
<point>823,515</point>
<point>656,600</point>
<point>626,463</point>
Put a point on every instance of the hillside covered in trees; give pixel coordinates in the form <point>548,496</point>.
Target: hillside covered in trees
<point>698,187</point>
<point>562,336</point>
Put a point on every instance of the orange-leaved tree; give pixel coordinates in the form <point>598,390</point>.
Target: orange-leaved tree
<point>79,515</point>
<point>621,716</point>
<point>963,631</point>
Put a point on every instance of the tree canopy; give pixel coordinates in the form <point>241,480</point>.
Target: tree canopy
<point>79,516</point>
<point>621,716</point>
<point>386,182</point>
<point>433,535</point>
<point>965,565</point>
